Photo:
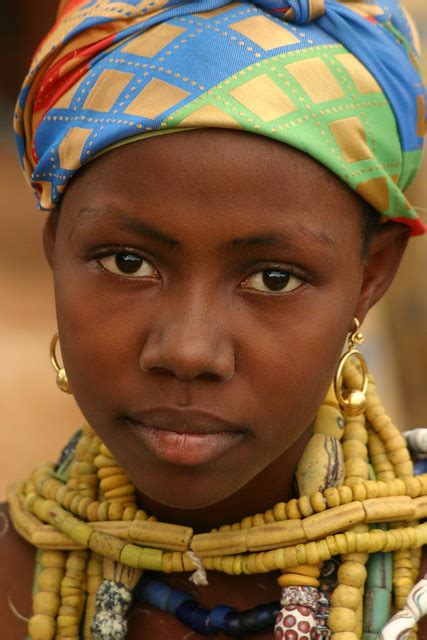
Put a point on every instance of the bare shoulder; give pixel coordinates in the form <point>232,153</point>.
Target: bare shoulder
<point>17,560</point>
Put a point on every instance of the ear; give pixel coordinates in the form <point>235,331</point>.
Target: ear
<point>49,236</point>
<point>384,256</point>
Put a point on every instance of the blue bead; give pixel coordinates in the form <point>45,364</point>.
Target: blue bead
<point>200,621</point>
<point>194,616</point>
<point>176,598</point>
<point>232,625</point>
<point>264,616</point>
<point>274,608</point>
<point>218,615</point>
<point>185,611</point>
<point>420,467</point>
<point>248,621</point>
<point>153,591</point>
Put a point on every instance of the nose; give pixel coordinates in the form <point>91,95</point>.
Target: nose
<point>189,343</point>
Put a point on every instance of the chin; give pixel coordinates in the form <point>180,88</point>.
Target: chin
<point>186,489</point>
<point>182,501</point>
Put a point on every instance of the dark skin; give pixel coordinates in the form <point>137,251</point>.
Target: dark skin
<point>224,314</point>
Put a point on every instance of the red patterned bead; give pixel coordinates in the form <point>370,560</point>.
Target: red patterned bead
<point>295,623</point>
<point>297,618</point>
<point>289,621</point>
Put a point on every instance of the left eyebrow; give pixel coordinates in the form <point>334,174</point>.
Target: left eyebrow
<point>274,239</point>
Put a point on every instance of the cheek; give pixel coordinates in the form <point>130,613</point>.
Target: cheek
<point>291,366</point>
<point>100,340</point>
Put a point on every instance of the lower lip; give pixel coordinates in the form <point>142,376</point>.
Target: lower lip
<point>186,448</point>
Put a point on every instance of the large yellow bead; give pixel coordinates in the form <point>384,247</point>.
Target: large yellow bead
<point>298,580</point>
<point>413,487</point>
<point>356,431</point>
<point>359,491</point>
<point>318,502</point>
<point>371,489</point>
<point>341,619</point>
<point>352,574</point>
<point>304,506</point>
<point>50,579</point>
<point>52,559</point>
<point>42,627</point>
<point>345,494</point>
<point>304,570</point>
<point>76,562</point>
<point>279,511</point>
<point>46,603</point>
<point>346,596</point>
<point>292,510</point>
<point>92,511</point>
<point>353,448</point>
<point>332,497</point>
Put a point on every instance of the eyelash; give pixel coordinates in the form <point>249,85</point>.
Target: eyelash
<point>106,252</point>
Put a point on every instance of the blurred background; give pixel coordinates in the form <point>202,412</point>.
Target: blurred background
<point>36,417</point>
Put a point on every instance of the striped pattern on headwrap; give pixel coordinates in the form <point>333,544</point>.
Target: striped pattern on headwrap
<point>339,80</point>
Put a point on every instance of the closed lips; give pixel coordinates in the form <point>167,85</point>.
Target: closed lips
<point>188,438</point>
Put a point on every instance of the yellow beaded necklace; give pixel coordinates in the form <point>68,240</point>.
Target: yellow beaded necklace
<point>89,528</point>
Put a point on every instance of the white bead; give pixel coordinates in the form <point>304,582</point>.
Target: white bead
<point>416,439</point>
<point>398,626</point>
<point>403,622</point>
<point>417,600</point>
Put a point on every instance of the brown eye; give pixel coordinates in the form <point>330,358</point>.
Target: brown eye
<point>273,281</point>
<point>128,264</point>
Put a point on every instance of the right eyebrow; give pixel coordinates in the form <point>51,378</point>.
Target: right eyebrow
<point>129,223</point>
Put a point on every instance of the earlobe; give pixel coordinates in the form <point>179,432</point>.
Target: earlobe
<point>385,254</point>
<point>49,236</point>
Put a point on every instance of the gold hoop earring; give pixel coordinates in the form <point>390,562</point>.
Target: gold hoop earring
<point>352,401</point>
<point>61,375</point>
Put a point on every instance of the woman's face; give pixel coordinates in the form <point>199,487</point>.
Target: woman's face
<point>205,284</point>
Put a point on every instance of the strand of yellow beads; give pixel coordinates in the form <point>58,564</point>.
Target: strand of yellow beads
<point>46,600</point>
<point>73,590</point>
<point>346,615</point>
<point>392,462</point>
<point>93,582</point>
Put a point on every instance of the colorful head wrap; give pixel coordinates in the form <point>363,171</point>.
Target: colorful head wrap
<point>337,79</point>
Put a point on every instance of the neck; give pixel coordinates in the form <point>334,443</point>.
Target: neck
<point>258,495</point>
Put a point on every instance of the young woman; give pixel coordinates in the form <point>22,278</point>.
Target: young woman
<point>205,285</point>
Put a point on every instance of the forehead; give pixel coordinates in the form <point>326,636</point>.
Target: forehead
<point>214,177</point>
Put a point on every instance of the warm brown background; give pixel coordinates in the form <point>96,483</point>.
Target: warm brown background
<point>36,418</point>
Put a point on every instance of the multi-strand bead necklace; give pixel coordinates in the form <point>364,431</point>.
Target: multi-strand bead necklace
<point>358,501</point>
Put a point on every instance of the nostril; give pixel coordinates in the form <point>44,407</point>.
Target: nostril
<point>186,373</point>
<point>210,377</point>
<point>161,370</point>
<point>186,376</point>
